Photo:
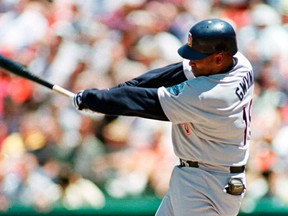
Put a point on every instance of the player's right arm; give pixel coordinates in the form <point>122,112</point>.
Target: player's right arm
<point>125,101</point>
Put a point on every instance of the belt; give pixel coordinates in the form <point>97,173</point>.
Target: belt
<point>233,169</point>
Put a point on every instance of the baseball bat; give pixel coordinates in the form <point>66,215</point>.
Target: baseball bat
<point>22,71</point>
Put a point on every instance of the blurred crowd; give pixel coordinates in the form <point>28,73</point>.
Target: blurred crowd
<point>52,155</point>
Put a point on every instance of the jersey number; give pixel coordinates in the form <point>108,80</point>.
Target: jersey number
<point>247,121</point>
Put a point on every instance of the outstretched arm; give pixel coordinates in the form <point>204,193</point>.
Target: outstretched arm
<point>137,97</point>
<point>126,101</point>
<point>164,76</point>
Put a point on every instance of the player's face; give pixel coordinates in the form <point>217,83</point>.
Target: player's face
<point>205,66</point>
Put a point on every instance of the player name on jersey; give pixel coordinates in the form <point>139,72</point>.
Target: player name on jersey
<point>244,85</point>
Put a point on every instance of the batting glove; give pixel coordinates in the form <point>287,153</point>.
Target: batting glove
<point>77,101</point>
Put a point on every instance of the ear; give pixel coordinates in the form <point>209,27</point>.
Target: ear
<point>219,58</point>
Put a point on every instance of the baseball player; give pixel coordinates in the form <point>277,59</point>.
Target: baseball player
<point>208,99</point>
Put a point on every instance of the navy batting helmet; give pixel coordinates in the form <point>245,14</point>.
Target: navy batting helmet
<point>208,37</point>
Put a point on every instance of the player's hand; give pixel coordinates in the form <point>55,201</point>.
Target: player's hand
<point>77,101</point>
<point>78,104</point>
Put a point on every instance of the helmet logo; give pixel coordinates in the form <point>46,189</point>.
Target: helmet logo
<point>190,39</point>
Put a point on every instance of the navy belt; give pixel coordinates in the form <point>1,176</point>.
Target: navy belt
<point>233,169</point>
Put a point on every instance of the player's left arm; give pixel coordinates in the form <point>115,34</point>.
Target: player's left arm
<point>125,101</point>
<point>164,76</point>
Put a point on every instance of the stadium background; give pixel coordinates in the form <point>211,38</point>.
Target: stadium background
<point>54,160</point>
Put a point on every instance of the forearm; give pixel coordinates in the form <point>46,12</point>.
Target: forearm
<point>126,101</point>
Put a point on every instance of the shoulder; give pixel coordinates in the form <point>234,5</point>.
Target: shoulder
<point>242,61</point>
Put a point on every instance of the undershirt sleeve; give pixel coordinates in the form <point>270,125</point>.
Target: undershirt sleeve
<point>126,101</point>
<point>165,76</point>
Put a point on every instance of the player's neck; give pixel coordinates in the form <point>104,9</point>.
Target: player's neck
<point>227,65</point>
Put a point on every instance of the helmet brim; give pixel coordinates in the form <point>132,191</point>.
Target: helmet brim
<point>187,53</point>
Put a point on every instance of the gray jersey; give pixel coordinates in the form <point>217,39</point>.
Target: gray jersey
<point>210,115</point>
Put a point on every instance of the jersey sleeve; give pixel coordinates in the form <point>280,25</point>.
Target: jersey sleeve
<point>181,103</point>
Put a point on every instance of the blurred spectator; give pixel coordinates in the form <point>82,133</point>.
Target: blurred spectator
<point>90,148</point>
<point>22,26</point>
<point>26,184</point>
<point>264,39</point>
<point>79,192</point>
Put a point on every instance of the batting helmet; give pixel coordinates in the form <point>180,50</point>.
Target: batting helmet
<point>208,37</point>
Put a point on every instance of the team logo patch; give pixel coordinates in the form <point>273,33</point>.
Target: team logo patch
<point>190,39</point>
<point>176,89</point>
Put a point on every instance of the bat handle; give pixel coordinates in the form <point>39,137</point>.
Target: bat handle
<point>63,91</point>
